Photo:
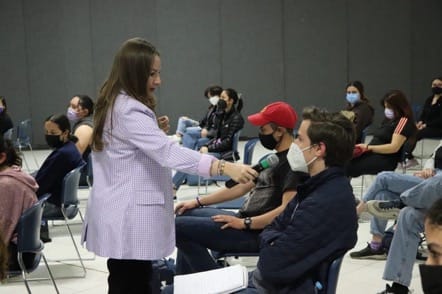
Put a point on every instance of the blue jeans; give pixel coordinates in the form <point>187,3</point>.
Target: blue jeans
<point>388,186</point>
<point>192,138</point>
<point>184,123</point>
<point>402,253</point>
<point>196,232</point>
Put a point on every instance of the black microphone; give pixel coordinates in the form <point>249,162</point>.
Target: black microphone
<point>270,161</point>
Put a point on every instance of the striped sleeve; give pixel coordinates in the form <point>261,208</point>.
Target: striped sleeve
<point>401,125</point>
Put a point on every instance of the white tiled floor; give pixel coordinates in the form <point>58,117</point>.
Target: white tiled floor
<point>356,276</point>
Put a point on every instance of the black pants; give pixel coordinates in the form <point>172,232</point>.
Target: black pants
<point>129,276</point>
<point>427,132</point>
<point>371,164</point>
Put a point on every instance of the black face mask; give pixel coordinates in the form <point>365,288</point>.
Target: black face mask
<point>54,141</point>
<point>221,105</point>
<point>431,278</point>
<point>268,141</point>
<point>436,90</point>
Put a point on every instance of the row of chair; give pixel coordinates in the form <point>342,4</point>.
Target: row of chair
<point>23,140</point>
<point>28,228</point>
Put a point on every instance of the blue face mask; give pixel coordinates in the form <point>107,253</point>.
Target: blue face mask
<point>352,98</point>
<point>389,113</point>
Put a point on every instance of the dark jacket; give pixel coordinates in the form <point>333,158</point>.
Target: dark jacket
<point>210,122</point>
<point>5,123</point>
<point>317,224</point>
<point>432,114</point>
<point>229,124</point>
<point>51,173</point>
<point>364,114</point>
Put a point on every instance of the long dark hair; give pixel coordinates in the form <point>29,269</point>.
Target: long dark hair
<point>237,101</point>
<point>62,121</point>
<point>86,102</point>
<point>12,158</point>
<point>3,100</point>
<point>130,72</point>
<point>398,102</point>
<point>358,85</point>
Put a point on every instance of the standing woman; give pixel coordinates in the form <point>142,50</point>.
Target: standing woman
<point>358,103</point>
<point>130,216</point>
<point>385,149</point>
<point>5,119</point>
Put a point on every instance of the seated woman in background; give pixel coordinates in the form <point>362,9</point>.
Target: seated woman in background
<point>385,149</point>
<point>61,161</point>
<point>193,133</point>
<point>229,120</point>
<point>359,105</point>
<point>80,114</point>
<point>5,121</point>
<point>429,124</point>
<point>17,193</point>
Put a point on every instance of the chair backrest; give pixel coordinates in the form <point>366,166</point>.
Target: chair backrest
<point>235,144</point>
<point>24,132</point>
<point>28,227</point>
<point>8,134</point>
<point>365,133</point>
<point>330,276</point>
<point>69,195</point>
<point>249,148</point>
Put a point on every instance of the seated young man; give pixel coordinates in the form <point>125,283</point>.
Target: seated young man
<point>199,228</point>
<point>394,186</point>
<point>320,223</point>
<point>431,271</point>
<point>406,238</point>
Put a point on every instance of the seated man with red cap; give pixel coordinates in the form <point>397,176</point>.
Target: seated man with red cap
<point>199,227</point>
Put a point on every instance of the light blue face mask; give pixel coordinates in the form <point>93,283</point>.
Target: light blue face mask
<point>352,98</point>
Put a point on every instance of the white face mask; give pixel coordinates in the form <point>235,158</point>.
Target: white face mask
<point>296,158</point>
<point>389,113</point>
<point>214,100</point>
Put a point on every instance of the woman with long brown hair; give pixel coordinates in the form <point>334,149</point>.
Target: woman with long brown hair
<point>130,216</point>
<point>385,149</point>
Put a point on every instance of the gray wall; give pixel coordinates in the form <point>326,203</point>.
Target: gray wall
<point>301,51</point>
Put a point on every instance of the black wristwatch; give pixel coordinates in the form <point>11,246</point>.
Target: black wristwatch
<point>247,222</point>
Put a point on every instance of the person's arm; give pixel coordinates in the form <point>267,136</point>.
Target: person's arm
<point>219,196</point>
<point>259,221</point>
<point>84,135</point>
<point>397,140</point>
<point>404,129</point>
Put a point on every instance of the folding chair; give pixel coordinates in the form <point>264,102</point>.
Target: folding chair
<point>23,140</point>
<point>249,148</point>
<point>28,242</point>
<point>8,134</point>
<point>70,208</point>
<point>235,142</point>
<point>329,276</point>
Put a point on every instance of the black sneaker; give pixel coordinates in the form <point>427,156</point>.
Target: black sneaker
<point>394,290</point>
<point>368,253</point>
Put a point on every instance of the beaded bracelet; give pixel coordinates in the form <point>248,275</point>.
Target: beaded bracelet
<point>221,165</point>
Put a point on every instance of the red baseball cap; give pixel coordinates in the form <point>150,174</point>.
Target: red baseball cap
<point>278,112</point>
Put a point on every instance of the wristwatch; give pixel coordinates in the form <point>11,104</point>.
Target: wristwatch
<point>247,222</point>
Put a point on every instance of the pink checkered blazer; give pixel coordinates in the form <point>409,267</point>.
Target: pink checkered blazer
<point>130,209</point>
